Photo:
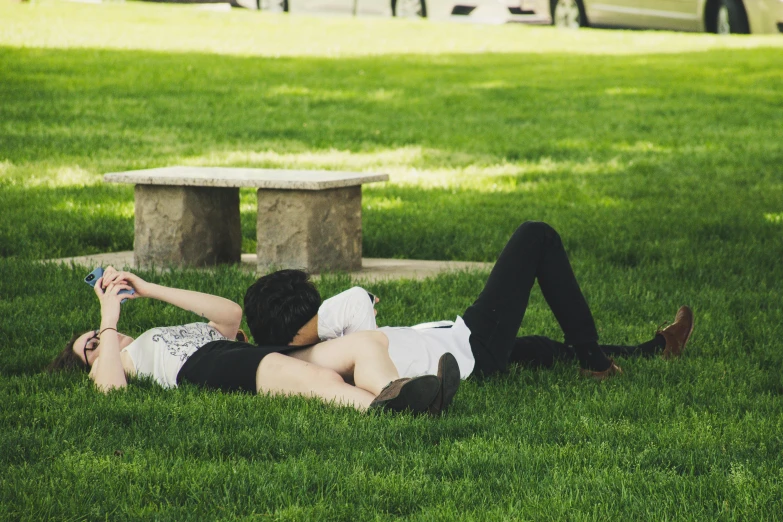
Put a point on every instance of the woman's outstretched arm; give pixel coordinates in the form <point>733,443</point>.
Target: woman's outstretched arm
<point>223,314</point>
<point>107,371</point>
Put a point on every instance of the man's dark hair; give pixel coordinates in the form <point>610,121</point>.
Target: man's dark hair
<point>279,304</point>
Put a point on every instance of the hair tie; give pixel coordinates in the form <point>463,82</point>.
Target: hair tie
<point>109,328</point>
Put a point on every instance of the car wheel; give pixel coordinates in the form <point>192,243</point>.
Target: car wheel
<point>568,13</point>
<point>409,8</point>
<point>730,18</point>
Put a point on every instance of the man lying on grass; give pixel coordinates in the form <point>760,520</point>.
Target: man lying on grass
<point>285,308</point>
<point>204,354</point>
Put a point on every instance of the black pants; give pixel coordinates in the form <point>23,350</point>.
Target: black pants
<point>537,351</point>
<point>534,253</point>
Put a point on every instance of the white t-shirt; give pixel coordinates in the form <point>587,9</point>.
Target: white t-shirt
<point>347,312</point>
<point>160,352</point>
<point>413,350</point>
<point>416,350</point>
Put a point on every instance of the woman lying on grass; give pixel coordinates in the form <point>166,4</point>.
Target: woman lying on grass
<point>205,355</point>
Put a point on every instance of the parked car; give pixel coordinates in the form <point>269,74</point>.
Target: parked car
<point>400,8</point>
<point>497,11</point>
<point>715,16</point>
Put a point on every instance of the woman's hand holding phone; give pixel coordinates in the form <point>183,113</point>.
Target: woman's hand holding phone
<point>111,298</point>
<point>103,278</point>
<point>138,286</point>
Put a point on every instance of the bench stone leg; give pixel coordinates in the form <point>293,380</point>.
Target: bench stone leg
<point>187,226</point>
<point>317,230</point>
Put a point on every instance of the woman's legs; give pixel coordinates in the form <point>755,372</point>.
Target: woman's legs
<point>361,358</point>
<point>280,374</point>
<point>534,253</point>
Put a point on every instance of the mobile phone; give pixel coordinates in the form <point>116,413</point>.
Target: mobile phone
<point>93,276</point>
<point>96,274</point>
<point>372,297</point>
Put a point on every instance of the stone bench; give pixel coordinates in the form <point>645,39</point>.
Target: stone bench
<point>189,216</point>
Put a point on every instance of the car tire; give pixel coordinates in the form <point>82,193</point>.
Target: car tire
<point>568,14</point>
<point>730,18</point>
<point>409,8</point>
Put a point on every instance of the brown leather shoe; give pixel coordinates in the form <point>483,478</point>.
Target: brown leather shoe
<point>677,333</point>
<point>449,379</point>
<point>414,394</point>
<point>600,376</point>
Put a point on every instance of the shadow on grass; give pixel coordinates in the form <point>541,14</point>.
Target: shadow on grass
<point>43,222</point>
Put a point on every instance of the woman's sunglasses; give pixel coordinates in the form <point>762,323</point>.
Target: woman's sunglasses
<point>90,345</point>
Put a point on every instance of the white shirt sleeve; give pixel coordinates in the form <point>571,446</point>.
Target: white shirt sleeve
<point>347,312</point>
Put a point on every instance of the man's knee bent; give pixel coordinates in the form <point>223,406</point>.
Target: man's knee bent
<point>375,342</point>
<point>538,229</point>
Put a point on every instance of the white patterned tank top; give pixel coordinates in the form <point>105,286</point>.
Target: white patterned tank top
<point>160,352</point>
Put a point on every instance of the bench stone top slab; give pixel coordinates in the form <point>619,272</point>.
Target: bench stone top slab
<point>245,177</point>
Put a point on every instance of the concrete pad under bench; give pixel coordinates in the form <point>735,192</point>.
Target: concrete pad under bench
<point>373,269</point>
<point>189,216</point>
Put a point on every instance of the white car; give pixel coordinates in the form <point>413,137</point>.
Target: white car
<point>495,11</point>
<point>401,8</point>
<point>715,16</point>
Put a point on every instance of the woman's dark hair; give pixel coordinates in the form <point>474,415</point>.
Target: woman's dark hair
<point>67,359</point>
<point>278,305</point>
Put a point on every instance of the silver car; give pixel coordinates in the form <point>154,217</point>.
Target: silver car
<point>715,16</point>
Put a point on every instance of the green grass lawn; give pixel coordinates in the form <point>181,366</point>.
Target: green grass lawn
<point>656,155</point>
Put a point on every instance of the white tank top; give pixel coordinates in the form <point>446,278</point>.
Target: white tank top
<point>160,352</point>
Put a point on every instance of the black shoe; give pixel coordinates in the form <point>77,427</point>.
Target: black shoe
<point>449,378</point>
<point>414,394</point>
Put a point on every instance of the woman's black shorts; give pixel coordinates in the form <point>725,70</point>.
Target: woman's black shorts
<point>228,366</point>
